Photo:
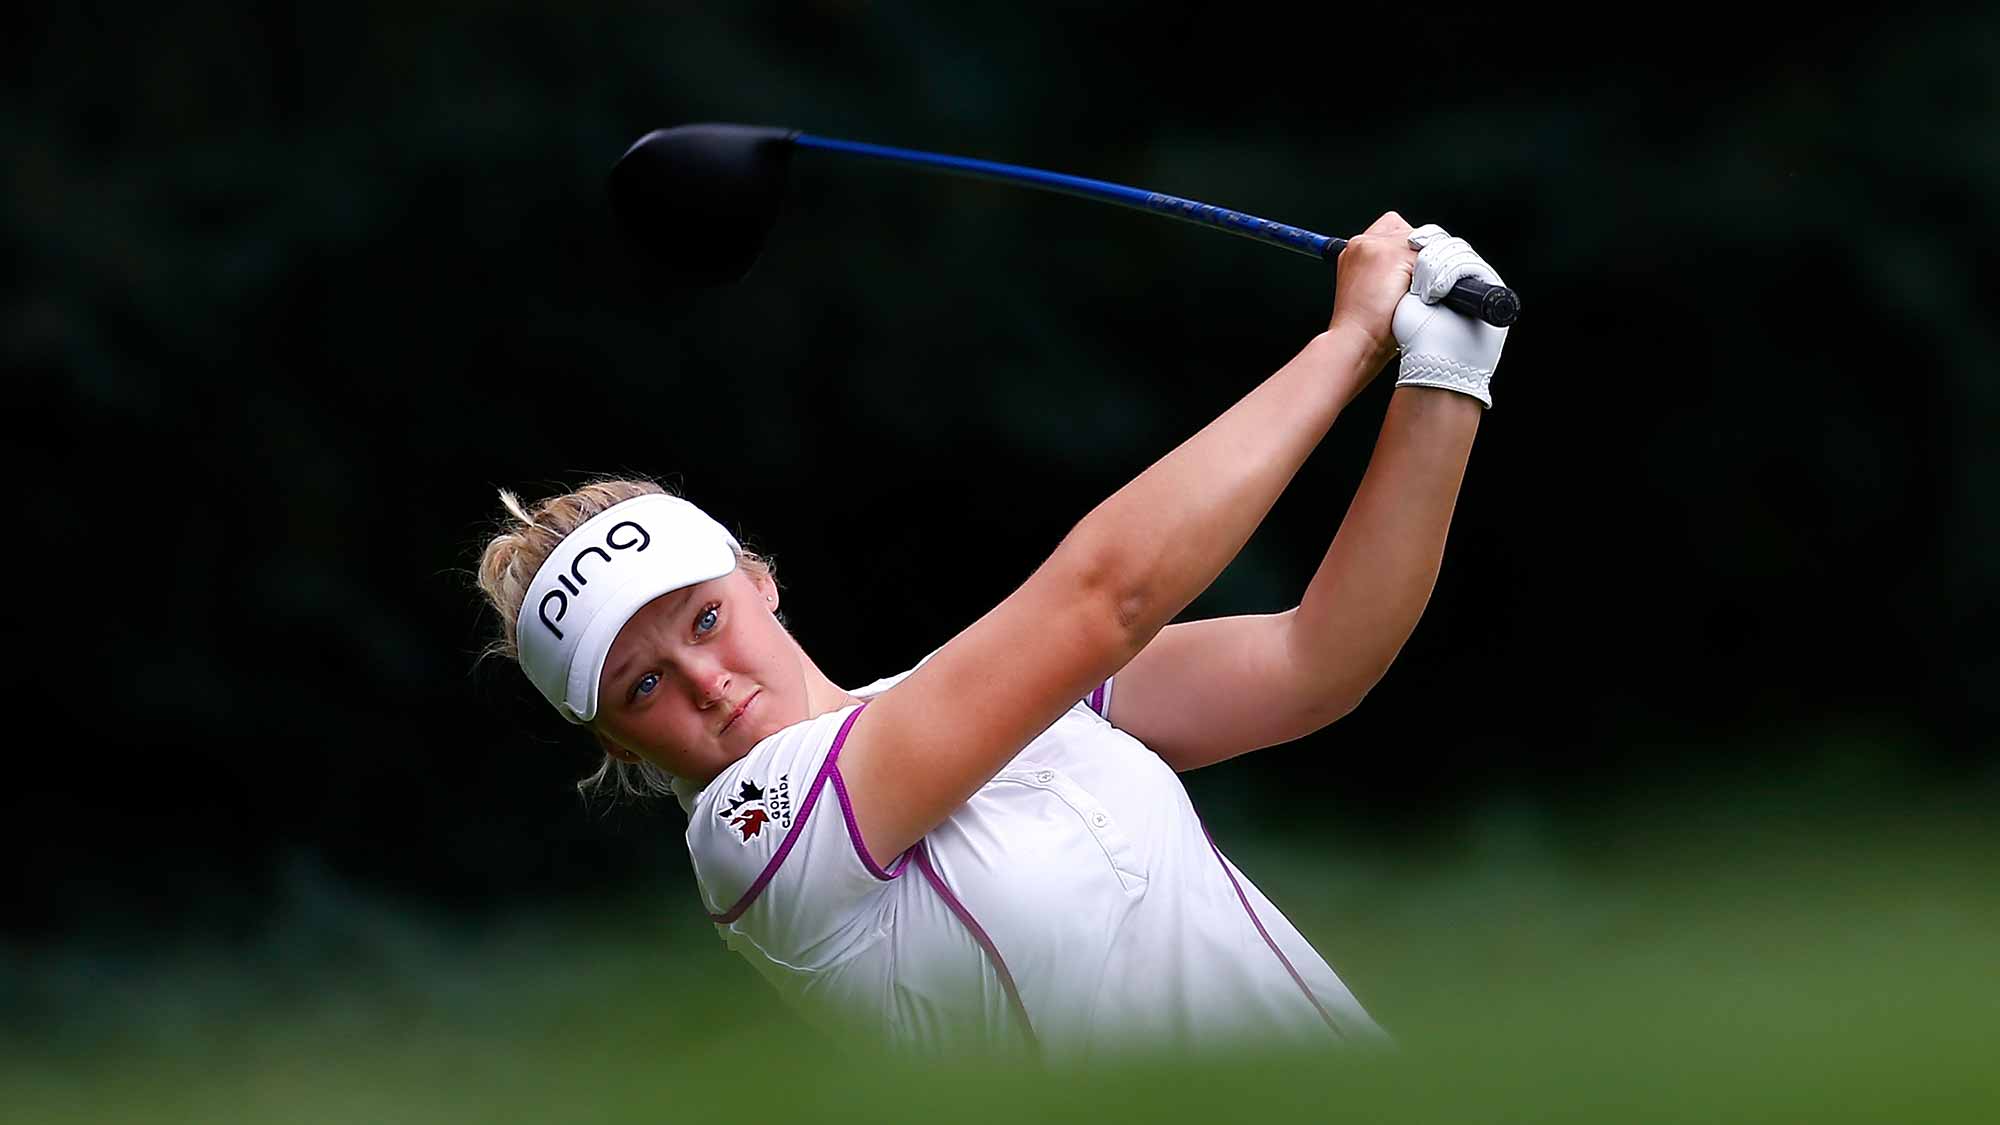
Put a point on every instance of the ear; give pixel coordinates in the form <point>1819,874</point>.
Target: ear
<point>767,590</point>
<point>615,751</point>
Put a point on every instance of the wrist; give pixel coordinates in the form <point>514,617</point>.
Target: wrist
<point>1353,356</point>
<point>1432,406</point>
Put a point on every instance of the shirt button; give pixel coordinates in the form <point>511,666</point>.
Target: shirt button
<point>1100,819</point>
<point>1045,776</point>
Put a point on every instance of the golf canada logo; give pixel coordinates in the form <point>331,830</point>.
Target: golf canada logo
<point>755,806</point>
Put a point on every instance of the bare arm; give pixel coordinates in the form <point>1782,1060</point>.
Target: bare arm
<point>1120,575</point>
<point>1204,691</point>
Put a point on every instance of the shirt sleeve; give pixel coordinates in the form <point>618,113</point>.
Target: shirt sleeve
<point>775,851</point>
<point>1099,700</point>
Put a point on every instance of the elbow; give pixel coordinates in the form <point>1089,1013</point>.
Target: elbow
<point>1126,622</point>
<point>1352,700</point>
<point>1328,707</point>
<point>1132,614</point>
<point>1118,599</point>
<point>1330,681</point>
<point>1348,694</point>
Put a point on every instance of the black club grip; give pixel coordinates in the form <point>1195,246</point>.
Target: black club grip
<point>1482,300</point>
<point>1497,305</point>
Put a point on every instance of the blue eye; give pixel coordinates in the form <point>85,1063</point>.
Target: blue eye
<point>708,619</point>
<point>646,684</point>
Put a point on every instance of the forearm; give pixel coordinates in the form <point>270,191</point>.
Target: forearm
<point>1155,544</point>
<point>1372,586</point>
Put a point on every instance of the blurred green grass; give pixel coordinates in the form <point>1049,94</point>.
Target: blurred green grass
<point>1676,960</point>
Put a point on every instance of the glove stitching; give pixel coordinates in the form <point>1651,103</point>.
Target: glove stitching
<point>1433,370</point>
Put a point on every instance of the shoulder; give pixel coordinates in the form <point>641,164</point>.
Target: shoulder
<point>885,683</point>
<point>744,818</point>
<point>773,849</point>
<point>1098,702</point>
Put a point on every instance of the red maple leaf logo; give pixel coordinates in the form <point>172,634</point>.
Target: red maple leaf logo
<point>751,822</point>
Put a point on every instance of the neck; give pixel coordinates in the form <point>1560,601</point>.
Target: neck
<point>822,694</point>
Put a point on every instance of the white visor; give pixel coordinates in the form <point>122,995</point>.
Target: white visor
<point>598,577</point>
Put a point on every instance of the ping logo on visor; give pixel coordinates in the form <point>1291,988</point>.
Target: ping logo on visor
<point>561,597</point>
<point>599,576</point>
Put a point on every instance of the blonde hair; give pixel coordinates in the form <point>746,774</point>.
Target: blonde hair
<point>507,568</point>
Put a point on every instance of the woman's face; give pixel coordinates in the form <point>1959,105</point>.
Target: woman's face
<point>699,676</point>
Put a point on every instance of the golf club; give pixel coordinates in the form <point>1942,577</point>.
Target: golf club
<point>701,200</point>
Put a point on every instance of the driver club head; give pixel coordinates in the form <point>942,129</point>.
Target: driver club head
<point>700,200</point>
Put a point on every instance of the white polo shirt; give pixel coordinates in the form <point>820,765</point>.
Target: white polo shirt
<point>1074,906</point>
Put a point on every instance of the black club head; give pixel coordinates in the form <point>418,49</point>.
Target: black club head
<point>699,200</point>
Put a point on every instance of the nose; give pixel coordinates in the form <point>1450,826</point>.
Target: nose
<point>710,686</point>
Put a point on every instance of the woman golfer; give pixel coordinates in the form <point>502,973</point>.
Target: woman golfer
<point>993,848</point>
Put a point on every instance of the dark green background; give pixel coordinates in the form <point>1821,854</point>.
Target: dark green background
<point>291,292</point>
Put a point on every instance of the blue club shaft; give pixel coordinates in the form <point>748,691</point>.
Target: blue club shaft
<point>1291,238</point>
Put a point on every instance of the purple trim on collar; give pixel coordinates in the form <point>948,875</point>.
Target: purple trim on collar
<point>798,825</point>
<point>1255,921</point>
<point>922,850</point>
<point>854,833</point>
<point>1097,701</point>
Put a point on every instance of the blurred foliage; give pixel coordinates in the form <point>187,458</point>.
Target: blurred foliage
<point>1536,965</point>
<point>293,290</point>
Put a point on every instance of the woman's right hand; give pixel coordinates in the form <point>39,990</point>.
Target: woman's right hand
<point>1371,278</point>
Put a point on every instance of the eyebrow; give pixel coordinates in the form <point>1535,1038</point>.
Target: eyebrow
<point>616,675</point>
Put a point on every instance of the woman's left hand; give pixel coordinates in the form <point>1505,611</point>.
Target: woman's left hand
<point>1371,277</point>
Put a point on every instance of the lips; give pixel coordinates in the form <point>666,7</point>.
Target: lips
<point>740,708</point>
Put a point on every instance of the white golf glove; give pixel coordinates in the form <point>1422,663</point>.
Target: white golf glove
<point>1440,346</point>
